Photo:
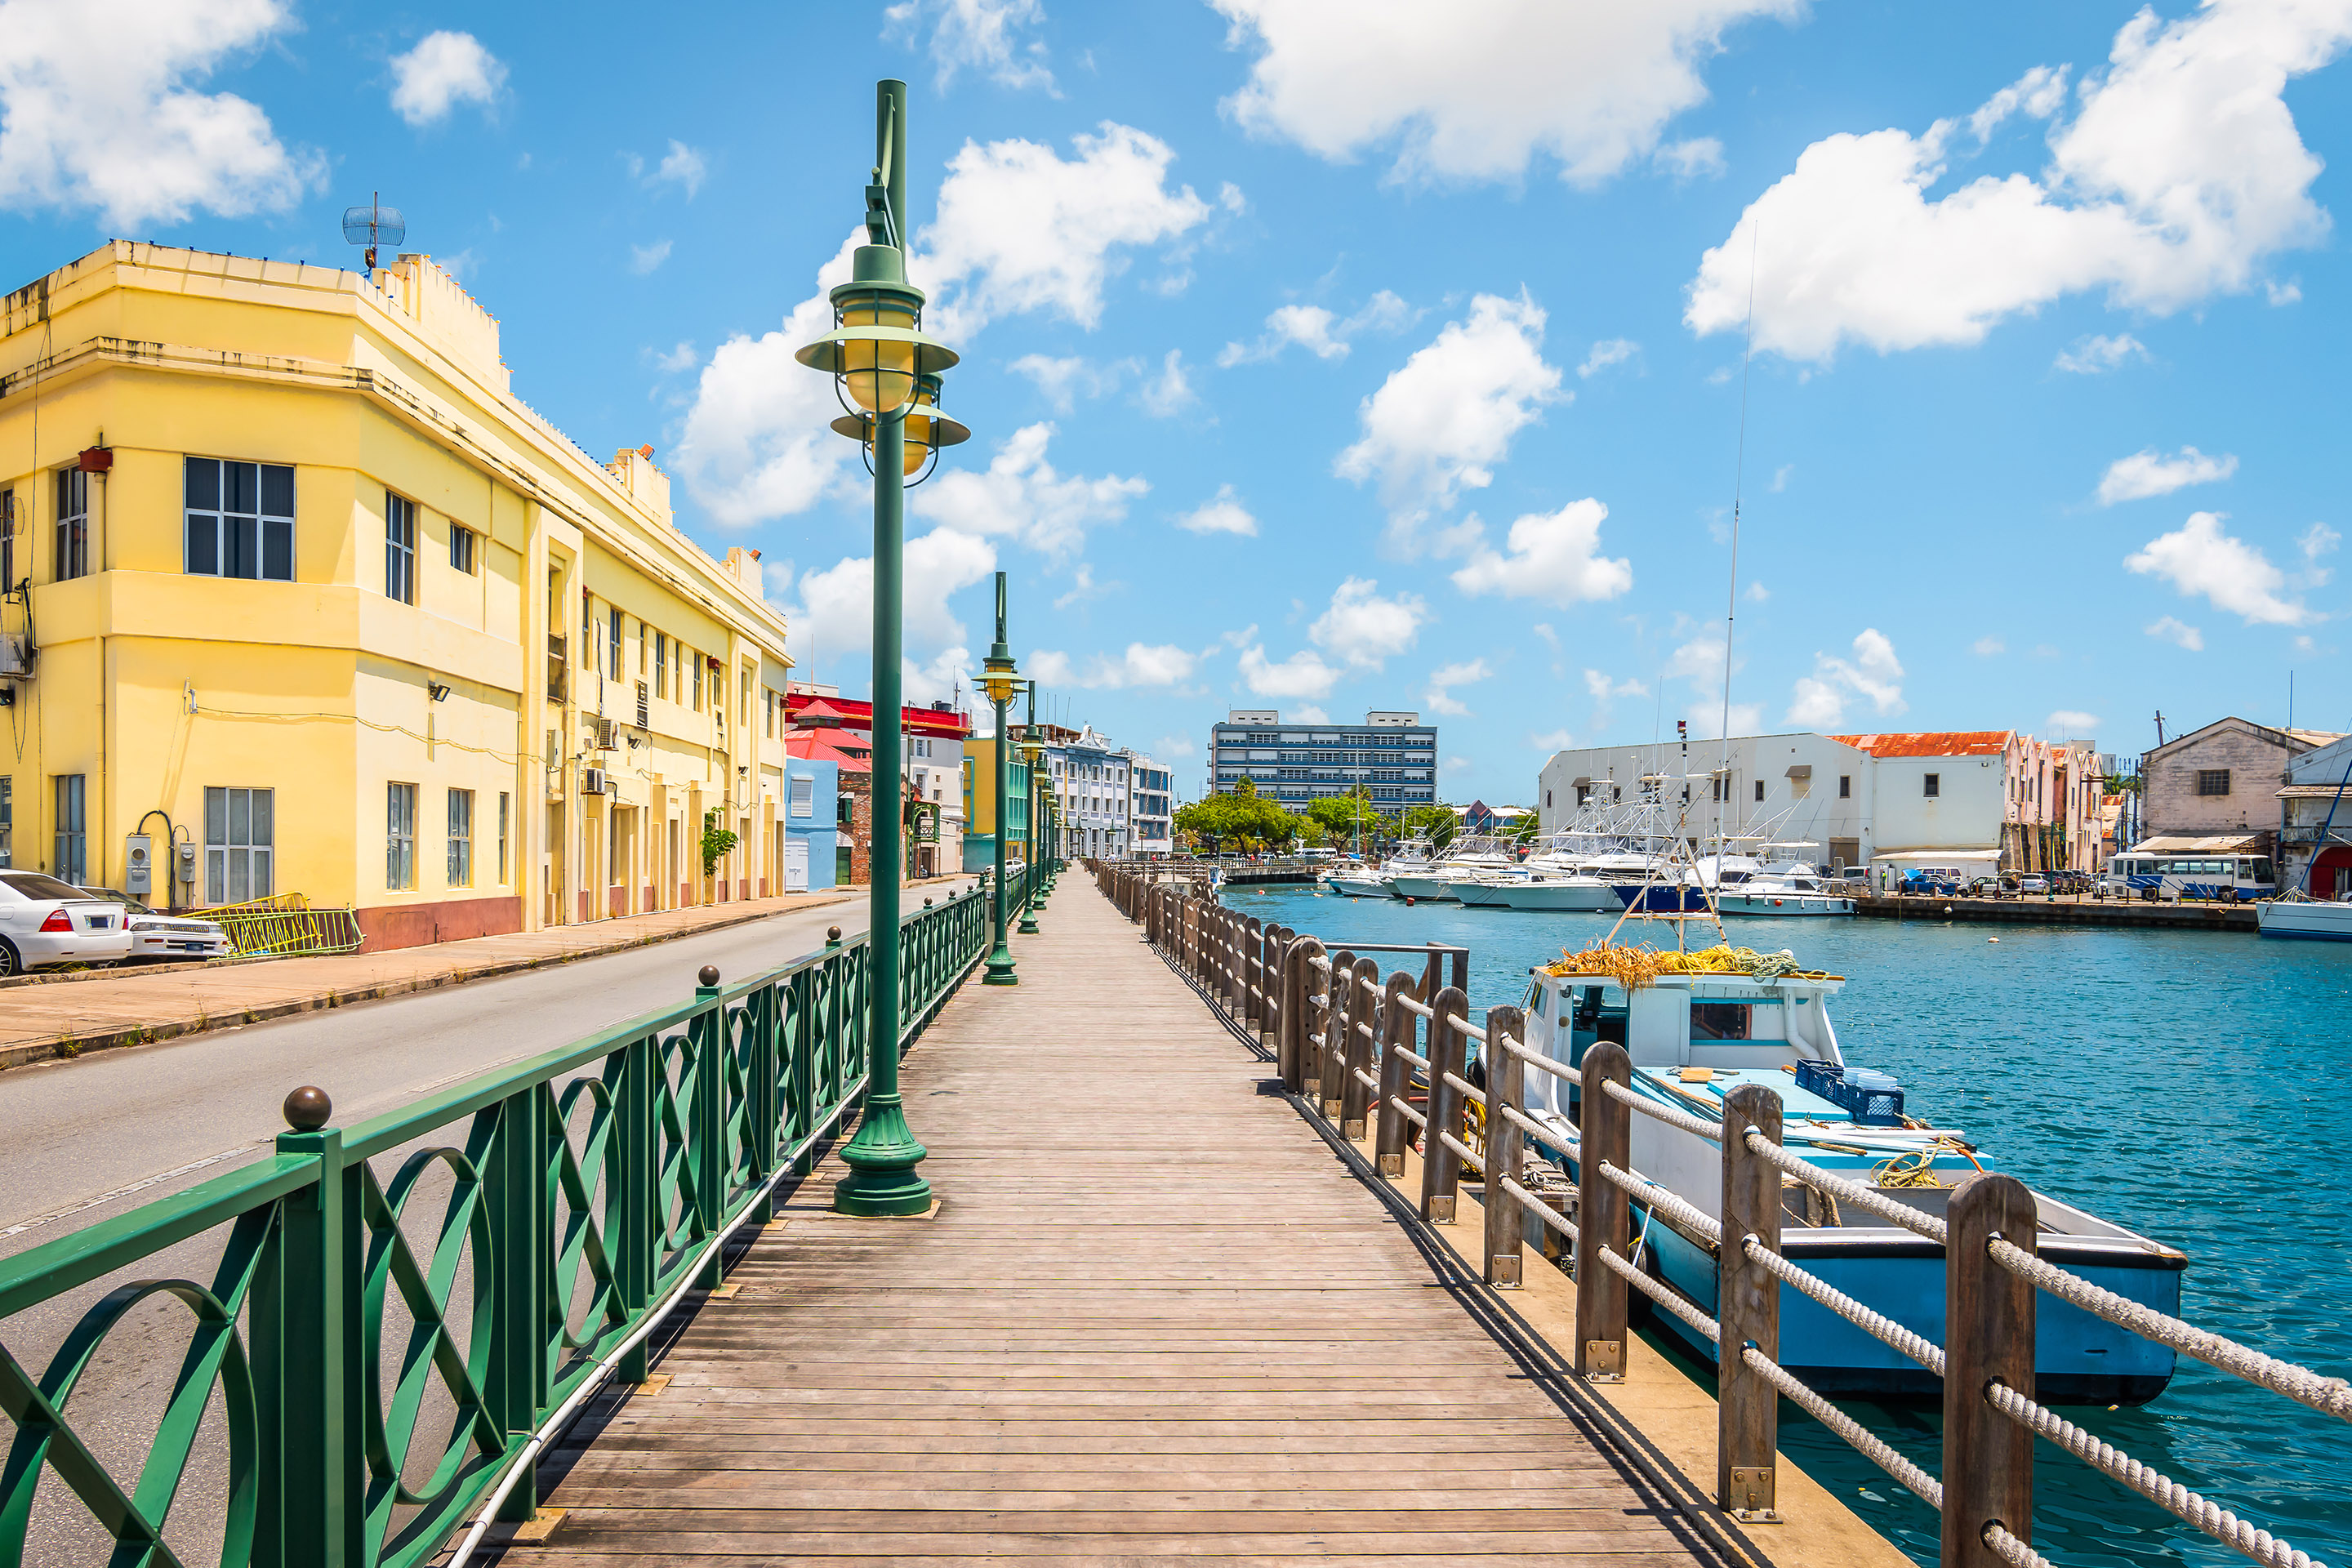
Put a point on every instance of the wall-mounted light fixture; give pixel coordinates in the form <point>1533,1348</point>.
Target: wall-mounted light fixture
<point>438,689</point>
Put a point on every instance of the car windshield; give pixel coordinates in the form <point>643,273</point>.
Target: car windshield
<point>125,899</point>
<point>33,885</point>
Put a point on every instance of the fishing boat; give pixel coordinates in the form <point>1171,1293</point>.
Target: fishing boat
<point>1463,858</point>
<point>1483,890</point>
<point>1714,1020</point>
<point>2308,920</point>
<point>1363,881</point>
<point>1783,889</point>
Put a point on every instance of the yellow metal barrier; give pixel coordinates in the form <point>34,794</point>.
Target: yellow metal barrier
<point>287,926</point>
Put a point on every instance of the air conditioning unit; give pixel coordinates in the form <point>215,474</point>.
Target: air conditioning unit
<point>15,658</point>
<point>605,734</point>
<point>592,781</point>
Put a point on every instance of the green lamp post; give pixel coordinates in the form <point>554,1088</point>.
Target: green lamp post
<point>1032,753</point>
<point>885,373</point>
<point>1000,682</point>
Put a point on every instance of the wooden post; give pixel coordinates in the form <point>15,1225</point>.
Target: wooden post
<point>1505,1228</point>
<point>1399,1029</point>
<point>1602,1216</point>
<point>1355,1099</point>
<point>1748,1408</point>
<point>1441,1167</point>
<point>1988,1339</point>
<point>1297,985</point>
<point>1339,1025</point>
<point>1252,971</point>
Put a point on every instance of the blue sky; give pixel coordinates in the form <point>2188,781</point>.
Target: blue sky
<point>1330,355</point>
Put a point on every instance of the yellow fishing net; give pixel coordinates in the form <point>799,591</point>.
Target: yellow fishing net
<point>1635,967</point>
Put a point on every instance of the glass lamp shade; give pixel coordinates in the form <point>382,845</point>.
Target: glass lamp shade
<point>878,371</point>
<point>1001,684</point>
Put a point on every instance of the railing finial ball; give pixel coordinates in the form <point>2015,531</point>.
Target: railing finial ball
<point>308,1109</point>
<point>708,974</point>
<point>833,933</point>
<point>927,903</point>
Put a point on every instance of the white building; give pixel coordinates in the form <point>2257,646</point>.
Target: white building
<point>1092,785</point>
<point>1151,806</point>
<point>2318,822</point>
<point>1986,799</point>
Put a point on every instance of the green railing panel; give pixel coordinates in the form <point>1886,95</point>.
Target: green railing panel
<point>351,1345</point>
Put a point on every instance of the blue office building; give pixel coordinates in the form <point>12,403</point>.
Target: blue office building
<point>1392,756</point>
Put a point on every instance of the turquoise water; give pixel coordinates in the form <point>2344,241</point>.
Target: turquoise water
<point>2178,1082</point>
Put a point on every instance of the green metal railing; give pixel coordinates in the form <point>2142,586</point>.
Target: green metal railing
<point>579,1191</point>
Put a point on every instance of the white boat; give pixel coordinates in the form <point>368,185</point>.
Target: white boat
<point>2307,920</point>
<point>1365,884</point>
<point>1575,892</point>
<point>1463,858</point>
<point>1360,881</point>
<point>1482,893</point>
<point>1783,889</point>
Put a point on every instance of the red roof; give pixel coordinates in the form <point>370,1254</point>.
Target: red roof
<point>852,714</point>
<point>1932,743</point>
<point>816,746</point>
<point>820,709</point>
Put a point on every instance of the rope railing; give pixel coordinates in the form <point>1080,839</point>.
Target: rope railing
<point>1363,1053</point>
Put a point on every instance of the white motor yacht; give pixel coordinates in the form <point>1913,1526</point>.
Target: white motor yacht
<point>1462,859</point>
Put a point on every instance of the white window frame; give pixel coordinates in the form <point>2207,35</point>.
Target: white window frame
<point>219,523</point>
<point>223,845</point>
<point>461,838</point>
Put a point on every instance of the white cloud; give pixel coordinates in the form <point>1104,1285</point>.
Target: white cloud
<point>1706,719</point>
<point>984,36</point>
<point>1021,228</point>
<point>1602,688</point>
<point>836,608</point>
<point>1303,674</point>
<point>1082,587</point>
<point>2317,540</point>
<point>683,166</point>
<point>2098,354</point>
<point>1221,514</point>
<point>1701,155</point>
<point>2198,558</point>
<point>1064,380</point>
<point>1171,391</point>
<point>1553,740</point>
<point>679,359</point>
<point>443,71</point>
<point>1321,333</point>
<point>2180,173</point>
<point>756,446</point>
<point>1781,477</point>
<point>2167,629</point>
<point>1552,557</point>
<point>95,111</point>
<point>1141,665</point>
<point>644,259</point>
<point>1176,747</point>
<point>1458,765</point>
<point>1440,697</point>
<point>1985,648</point>
<point>1757,594</point>
<point>1021,495</point>
<point>2071,723</point>
<point>937,680</point>
<point>1820,698</point>
<point>1606,353</point>
<point>1444,419</point>
<point>1363,629</point>
<point>2151,473</point>
<point>1473,92</point>
<point>1309,714</point>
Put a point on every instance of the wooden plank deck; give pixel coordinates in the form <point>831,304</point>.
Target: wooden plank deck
<point>1154,1316</point>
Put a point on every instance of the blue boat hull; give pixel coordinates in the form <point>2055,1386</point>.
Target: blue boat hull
<point>1659,899</point>
<point>2078,1358</point>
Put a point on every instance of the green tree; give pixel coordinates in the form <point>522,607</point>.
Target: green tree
<point>1238,821</point>
<point>1342,816</point>
<point>1436,822</point>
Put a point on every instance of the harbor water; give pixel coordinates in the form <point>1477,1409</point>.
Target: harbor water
<point>2175,1082</point>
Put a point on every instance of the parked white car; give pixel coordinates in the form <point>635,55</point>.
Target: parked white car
<point>158,936</point>
<point>44,920</point>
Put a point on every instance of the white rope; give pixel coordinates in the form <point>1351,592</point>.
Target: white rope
<point>1419,1009</point>
<point>1664,1202</point>
<point>1409,1114</point>
<point>1542,1063</point>
<point>1471,1030</point>
<point>1929,1489</point>
<point>1663,1296</point>
<point>1710,1131</point>
<point>1469,1089</point>
<point>2012,1551</point>
<point>2151,1483</point>
<point>1854,1192</point>
<point>1461,1150</point>
<point>1319,961</point>
<point>1539,1209</point>
<point>1525,1123</point>
<point>1367,1079</point>
<point>1919,1348</point>
<point>1364,1028</point>
<point>1420,1062</point>
<point>2331,1396</point>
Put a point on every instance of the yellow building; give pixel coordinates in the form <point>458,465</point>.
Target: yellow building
<point>300,593</point>
<point>979,804</point>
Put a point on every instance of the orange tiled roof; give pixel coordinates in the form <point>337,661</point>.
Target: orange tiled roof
<point>1931,743</point>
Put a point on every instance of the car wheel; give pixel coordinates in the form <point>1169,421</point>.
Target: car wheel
<point>10,962</point>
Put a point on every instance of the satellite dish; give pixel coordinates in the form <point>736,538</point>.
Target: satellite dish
<point>373,225</point>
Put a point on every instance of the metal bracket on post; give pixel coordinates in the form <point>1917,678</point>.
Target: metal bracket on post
<point>1602,1216</point>
<point>1988,1469</point>
<point>1441,1167</point>
<point>1748,1408</point>
<point>1505,1228</point>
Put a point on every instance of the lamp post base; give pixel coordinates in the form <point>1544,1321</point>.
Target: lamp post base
<point>1028,926</point>
<point>999,968</point>
<point>882,1183</point>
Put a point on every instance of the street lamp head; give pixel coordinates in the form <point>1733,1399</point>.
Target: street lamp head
<point>999,679</point>
<point>926,431</point>
<point>877,347</point>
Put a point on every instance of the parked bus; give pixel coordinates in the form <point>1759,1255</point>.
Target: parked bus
<point>2239,878</point>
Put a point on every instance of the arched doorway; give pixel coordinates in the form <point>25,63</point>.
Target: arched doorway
<point>2331,874</point>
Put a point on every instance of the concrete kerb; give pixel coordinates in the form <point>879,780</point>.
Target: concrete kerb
<point>67,1045</point>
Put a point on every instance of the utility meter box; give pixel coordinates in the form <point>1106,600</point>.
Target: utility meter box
<point>138,865</point>
<point>187,864</point>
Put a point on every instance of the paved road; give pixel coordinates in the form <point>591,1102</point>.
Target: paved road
<point>90,1137</point>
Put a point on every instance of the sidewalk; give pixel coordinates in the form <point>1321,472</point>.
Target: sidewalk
<point>129,1008</point>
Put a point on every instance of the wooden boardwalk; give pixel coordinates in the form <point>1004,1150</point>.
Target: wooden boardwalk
<point>1154,1316</point>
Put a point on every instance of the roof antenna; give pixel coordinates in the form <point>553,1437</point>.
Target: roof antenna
<point>368,225</point>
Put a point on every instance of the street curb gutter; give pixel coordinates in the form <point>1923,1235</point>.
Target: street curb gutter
<point>72,1046</point>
